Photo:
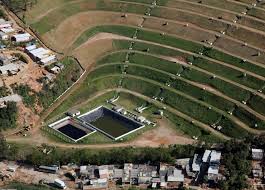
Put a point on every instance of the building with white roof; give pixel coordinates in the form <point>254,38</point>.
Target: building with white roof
<point>49,59</point>
<point>5,24</point>
<point>213,172</point>
<point>9,69</point>
<point>215,157</point>
<point>196,164</point>
<point>206,156</point>
<point>30,48</point>
<point>257,154</point>
<point>175,175</point>
<point>103,171</point>
<point>8,30</point>
<point>21,37</point>
<point>44,56</point>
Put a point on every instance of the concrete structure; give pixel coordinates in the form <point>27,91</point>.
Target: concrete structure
<point>69,121</point>
<point>98,112</point>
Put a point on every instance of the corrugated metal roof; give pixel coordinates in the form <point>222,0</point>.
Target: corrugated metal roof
<point>48,59</point>
<point>215,156</point>
<point>206,155</point>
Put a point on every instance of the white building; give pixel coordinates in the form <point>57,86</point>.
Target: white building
<point>8,30</point>
<point>213,172</point>
<point>49,59</point>
<point>60,183</point>
<point>206,156</point>
<point>5,24</point>
<point>21,37</point>
<point>175,175</point>
<point>196,164</point>
<point>30,48</point>
<point>215,157</point>
<point>257,154</point>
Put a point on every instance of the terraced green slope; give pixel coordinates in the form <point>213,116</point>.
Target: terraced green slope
<point>204,61</point>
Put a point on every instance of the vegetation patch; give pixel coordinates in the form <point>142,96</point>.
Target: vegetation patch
<point>8,116</point>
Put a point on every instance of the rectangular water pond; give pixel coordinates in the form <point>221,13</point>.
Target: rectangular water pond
<point>110,122</point>
<point>72,129</point>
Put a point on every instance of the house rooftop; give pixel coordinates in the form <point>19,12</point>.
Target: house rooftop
<point>196,163</point>
<point>257,154</point>
<point>206,156</point>
<point>215,156</point>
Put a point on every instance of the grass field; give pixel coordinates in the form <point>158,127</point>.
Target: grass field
<point>203,60</point>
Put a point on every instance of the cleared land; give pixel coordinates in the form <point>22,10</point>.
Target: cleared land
<point>203,62</point>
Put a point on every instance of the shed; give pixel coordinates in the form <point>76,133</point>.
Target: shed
<point>73,113</point>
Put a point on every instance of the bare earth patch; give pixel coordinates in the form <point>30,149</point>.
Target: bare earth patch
<point>96,46</point>
<point>162,135</point>
<point>62,37</point>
